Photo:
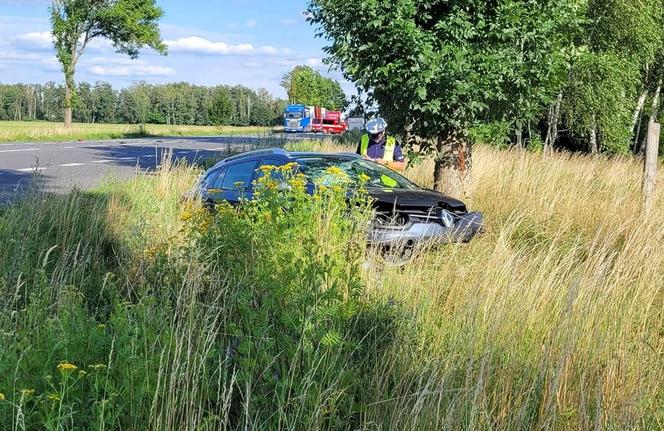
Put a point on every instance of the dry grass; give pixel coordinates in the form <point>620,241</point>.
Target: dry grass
<point>553,319</point>
<point>17,131</point>
<point>559,305</point>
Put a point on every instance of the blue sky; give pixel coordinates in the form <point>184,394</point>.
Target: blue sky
<point>249,42</point>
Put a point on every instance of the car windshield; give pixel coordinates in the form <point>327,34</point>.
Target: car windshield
<point>318,170</point>
<point>293,115</point>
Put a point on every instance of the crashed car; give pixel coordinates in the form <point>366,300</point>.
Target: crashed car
<point>406,215</point>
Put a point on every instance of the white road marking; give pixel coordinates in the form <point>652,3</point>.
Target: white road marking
<point>71,165</point>
<point>19,150</point>
<point>69,148</point>
<point>127,158</point>
<point>102,161</point>
<point>37,168</point>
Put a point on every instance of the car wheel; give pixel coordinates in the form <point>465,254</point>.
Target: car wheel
<point>398,256</point>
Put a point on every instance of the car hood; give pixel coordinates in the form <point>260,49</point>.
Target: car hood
<point>388,199</point>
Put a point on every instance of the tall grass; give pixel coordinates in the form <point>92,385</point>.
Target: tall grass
<point>184,320</point>
<point>31,131</point>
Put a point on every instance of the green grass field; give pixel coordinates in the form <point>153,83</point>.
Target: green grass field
<point>125,308</point>
<point>39,131</point>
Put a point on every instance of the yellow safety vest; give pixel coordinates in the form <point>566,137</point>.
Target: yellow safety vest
<point>390,143</point>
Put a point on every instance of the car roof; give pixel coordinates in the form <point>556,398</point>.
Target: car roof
<point>277,152</point>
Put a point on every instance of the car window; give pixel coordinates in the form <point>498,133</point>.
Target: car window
<point>320,170</point>
<point>271,161</point>
<point>209,178</point>
<point>275,174</point>
<point>239,176</point>
<point>217,183</point>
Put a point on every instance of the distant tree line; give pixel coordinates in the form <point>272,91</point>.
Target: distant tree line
<point>176,103</point>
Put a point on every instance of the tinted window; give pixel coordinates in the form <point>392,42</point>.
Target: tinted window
<point>375,175</point>
<point>240,173</point>
<point>218,182</point>
<point>209,178</point>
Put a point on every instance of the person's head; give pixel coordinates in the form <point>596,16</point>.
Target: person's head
<point>376,129</point>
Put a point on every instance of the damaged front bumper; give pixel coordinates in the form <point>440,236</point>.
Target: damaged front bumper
<point>463,229</point>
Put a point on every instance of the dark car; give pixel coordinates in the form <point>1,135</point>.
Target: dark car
<point>406,214</point>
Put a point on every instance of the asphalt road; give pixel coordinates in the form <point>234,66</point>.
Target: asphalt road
<point>57,167</point>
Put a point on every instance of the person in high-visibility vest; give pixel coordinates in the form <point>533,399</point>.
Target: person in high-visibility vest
<point>376,145</point>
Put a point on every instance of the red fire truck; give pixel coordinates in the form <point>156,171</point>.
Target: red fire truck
<point>328,121</point>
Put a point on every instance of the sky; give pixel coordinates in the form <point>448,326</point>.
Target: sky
<point>248,42</point>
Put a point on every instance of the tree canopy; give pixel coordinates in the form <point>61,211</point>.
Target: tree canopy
<point>305,85</point>
<point>437,68</point>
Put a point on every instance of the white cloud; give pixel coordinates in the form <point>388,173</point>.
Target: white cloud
<point>251,23</point>
<point>34,40</point>
<point>288,21</point>
<point>133,70</point>
<point>314,62</point>
<point>199,45</point>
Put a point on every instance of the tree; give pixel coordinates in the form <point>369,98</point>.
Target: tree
<point>129,24</point>
<point>619,44</point>
<point>437,68</point>
<point>307,86</point>
<point>221,107</point>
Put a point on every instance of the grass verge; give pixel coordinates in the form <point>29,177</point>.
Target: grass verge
<point>125,308</point>
<point>39,131</point>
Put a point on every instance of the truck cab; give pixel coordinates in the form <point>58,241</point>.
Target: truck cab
<point>298,118</point>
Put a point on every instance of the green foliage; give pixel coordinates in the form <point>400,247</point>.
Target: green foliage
<point>600,95</point>
<point>436,67</point>
<point>174,104</point>
<point>495,133</point>
<point>129,24</point>
<point>221,106</point>
<point>307,86</point>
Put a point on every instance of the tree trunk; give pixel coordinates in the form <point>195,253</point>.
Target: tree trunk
<point>453,164</point>
<point>69,98</point>
<point>637,110</point>
<point>519,137</point>
<point>68,107</point>
<point>653,116</point>
<point>594,149</point>
<point>552,131</point>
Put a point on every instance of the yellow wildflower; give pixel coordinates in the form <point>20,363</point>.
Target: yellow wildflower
<point>214,190</point>
<point>2,396</point>
<point>363,178</point>
<point>101,326</point>
<point>267,168</point>
<point>288,167</point>
<point>27,392</point>
<point>65,367</point>
<point>186,215</point>
<point>335,170</point>
<point>53,397</point>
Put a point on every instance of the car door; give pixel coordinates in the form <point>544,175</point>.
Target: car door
<point>236,182</point>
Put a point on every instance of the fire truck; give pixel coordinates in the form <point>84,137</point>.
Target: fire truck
<point>301,118</point>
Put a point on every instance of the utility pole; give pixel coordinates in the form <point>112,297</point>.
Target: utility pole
<point>650,165</point>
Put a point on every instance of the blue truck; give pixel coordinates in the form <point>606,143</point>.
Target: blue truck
<point>298,118</point>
